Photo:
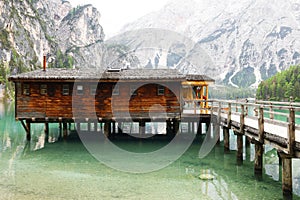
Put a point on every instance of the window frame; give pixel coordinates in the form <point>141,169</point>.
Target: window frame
<point>43,89</point>
<point>160,90</point>
<point>65,90</point>
<point>80,92</point>
<point>26,89</point>
<point>93,90</point>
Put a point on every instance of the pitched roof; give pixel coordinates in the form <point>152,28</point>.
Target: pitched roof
<point>93,74</point>
<point>197,77</point>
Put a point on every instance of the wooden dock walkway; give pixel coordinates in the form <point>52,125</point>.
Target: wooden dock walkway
<point>261,122</point>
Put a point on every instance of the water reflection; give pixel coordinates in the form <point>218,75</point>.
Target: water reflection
<point>75,174</point>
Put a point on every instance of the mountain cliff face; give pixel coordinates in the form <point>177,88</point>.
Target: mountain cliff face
<point>70,37</point>
<point>247,41</point>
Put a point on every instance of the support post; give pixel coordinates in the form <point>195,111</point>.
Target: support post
<point>193,127</point>
<point>291,132</point>
<point>242,119</point>
<point>95,126</point>
<point>28,130</point>
<point>107,129</point>
<point>169,127</point>
<point>287,179</point>
<point>175,126</point>
<point>199,128</point>
<point>271,111</point>
<point>258,161</point>
<point>226,139</point>
<point>114,128</point>
<point>189,128</point>
<point>65,130</point>
<point>78,126</point>
<point>142,128</point>
<point>47,130</point>
<point>89,127</point>
<point>229,116</point>
<point>239,155</point>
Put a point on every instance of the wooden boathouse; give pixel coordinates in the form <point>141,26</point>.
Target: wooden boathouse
<point>140,95</point>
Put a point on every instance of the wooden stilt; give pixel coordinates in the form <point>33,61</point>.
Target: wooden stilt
<point>287,183</point>
<point>89,127</point>
<point>114,128</point>
<point>65,130</point>
<point>247,141</point>
<point>226,139</point>
<point>258,161</point>
<point>189,127</point>
<point>239,154</point>
<point>28,132</point>
<point>169,127</point>
<point>107,129</point>
<point>78,126</point>
<point>95,126</point>
<point>142,128</point>
<point>175,126</point>
<point>193,127</point>
<point>47,131</point>
<point>199,128</point>
<point>60,129</point>
<point>207,126</point>
<point>120,127</point>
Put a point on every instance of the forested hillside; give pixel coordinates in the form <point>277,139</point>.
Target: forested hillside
<point>282,86</point>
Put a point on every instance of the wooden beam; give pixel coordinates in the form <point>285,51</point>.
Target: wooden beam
<point>239,155</point>
<point>291,131</point>
<point>258,161</point>
<point>287,178</point>
<point>65,130</point>
<point>242,119</point>
<point>226,139</point>
<point>229,116</point>
<point>261,128</point>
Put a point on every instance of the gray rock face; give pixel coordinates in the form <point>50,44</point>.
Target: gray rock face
<point>246,40</point>
<point>71,37</point>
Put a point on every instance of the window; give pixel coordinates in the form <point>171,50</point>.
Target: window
<point>133,90</point>
<point>79,89</point>
<point>160,90</point>
<point>65,90</point>
<point>43,89</point>
<point>116,90</point>
<point>93,89</point>
<point>26,89</point>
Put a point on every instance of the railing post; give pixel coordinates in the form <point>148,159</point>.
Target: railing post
<point>242,119</point>
<point>271,111</point>
<point>259,148</point>
<point>261,125</point>
<point>291,131</point>
<point>229,116</point>
<point>219,113</point>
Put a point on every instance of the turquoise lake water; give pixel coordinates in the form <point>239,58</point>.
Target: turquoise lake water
<point>66,170</point>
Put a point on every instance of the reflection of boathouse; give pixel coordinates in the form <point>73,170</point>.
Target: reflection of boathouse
<point>139,95</point>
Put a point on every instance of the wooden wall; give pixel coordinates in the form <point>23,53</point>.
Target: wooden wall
<point>101,105</point>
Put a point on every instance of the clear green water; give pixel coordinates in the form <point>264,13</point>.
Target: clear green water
<point>65,170</point>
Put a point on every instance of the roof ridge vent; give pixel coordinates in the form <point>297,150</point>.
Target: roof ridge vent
<point>114,70</point>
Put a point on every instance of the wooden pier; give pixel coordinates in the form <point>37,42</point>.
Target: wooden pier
<point>257,122</point>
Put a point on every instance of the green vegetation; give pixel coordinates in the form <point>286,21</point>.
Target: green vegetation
<point>282,86</point>
<point>244,78</point>
<point>62,61</point>
<point>231,93</point>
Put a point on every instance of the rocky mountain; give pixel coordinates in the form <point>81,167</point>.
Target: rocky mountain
<point>70,37</point>
<point>246,40</point>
